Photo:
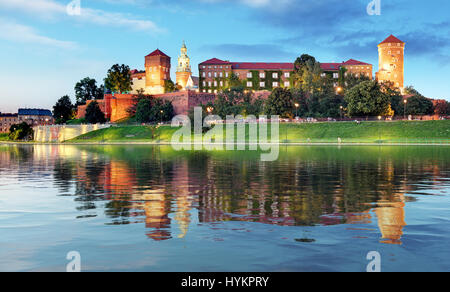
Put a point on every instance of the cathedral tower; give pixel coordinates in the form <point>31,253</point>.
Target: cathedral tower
<point>391,61</point>
<point>183,68</point>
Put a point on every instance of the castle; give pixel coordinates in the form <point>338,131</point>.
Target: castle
<point>263,77</point>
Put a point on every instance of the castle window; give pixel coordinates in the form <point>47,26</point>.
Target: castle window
<point>215,74</point>
<point>323,75</point>
<point>274,75</point>
<point>226,74</point>
<point>204,83</point>
<point>275,84</point>
<point>335,75</point>
<point>287,74</point>
<point>221,74</point>
<point>204,74</point>
<point>286,84</point>
<point>209,84</point>
<point>262,84</point>
<point>249,75</point>
<point>215,83</point>
<point>209,74</point>
<point>221,83</point>
<point>249,84</point>
<point>262,75</point>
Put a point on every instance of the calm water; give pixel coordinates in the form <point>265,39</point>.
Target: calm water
<point>143,208</point>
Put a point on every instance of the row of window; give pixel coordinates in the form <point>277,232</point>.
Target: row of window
<point>220,74</point>
<point>217,67</point>
<point>155,69</point>
<point>249,74</point>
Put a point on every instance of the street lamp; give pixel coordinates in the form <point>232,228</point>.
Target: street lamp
<point>209,109</point>
<point>340,110</point>
<point>161,115</point>
<point>296,109</point>
<point>338,90</point>
<point>405,101</point>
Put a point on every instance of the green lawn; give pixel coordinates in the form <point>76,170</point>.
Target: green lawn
<point>348,132</point>
<point>4,137</point>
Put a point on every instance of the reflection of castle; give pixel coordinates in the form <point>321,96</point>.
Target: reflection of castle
<point>164,194</point>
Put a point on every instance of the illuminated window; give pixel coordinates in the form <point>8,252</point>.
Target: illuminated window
<point>287,74</point>
<point>249,75</point>
<point>274,75</point>
<point>262,84</point>
<point>275,84</point>
<point>249,84</point>
<point>335,75</point>
<point>262,75</point>
<point>286,84</point>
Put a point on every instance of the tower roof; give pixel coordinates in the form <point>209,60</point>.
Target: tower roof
<point>157,52</point>
<point>391,39</point>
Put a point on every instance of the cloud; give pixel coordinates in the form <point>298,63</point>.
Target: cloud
<point>53,9</point>
<point>24,34</point>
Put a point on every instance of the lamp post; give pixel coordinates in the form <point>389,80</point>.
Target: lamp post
<point>296,109</point>
<point>338,90</point>
<point>379,130</point>
<point>405,101</point>
<point>340,110</point>
<point>161,115</point>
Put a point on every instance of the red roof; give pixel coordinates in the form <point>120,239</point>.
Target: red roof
<point>157,53</point>
<point>214,61</point>
<point>264,66</point>
<point>391,39</point>
<point>354,62</point>
<point>330,66</point>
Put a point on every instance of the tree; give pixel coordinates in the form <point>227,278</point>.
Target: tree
<point>419,105</point>
<point>395,97</point>
<point>118,79</point>
<point>169,86</point>
<point>280,103</point>
<point>367,99</point>
<point>138,97</point>
<point>21,131</point>
<point>301,61</point>
<point>442,108</point>
<point>94,114</point>
<point>63,110</point>
<point>143,110</point>
<point>87,89</point>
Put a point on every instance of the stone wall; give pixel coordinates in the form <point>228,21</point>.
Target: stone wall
<point>61,133</point>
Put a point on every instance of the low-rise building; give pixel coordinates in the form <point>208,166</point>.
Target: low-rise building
<point>36,117</point>
<point>214,73</point>
<point>7,120</point>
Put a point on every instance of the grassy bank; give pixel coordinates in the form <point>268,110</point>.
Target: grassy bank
<point>348,132</point>
<point>4,137</point>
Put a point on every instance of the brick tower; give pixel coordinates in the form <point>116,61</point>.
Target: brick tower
<point>183,68</point>
<point>157,71</point>
<point>391,61</point>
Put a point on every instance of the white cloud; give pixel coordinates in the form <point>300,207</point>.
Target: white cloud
<point>24,34</point>
<point>52,8</point>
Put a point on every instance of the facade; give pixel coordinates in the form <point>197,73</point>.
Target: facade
<point>214,73</point>
<point>7,120</point>
<point>391,53</point>
<point>184,71</point>
<point>157,72</point>
<point>36,117</point>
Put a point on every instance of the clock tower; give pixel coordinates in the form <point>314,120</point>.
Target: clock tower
<point>183,68</point>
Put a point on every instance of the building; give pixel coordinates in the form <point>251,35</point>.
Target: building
<point>157,72</point>
<point>184,71</point>
<point>35,117</point>
<point>391,53</point>
<point>214,73</point>
<point>7,120</point>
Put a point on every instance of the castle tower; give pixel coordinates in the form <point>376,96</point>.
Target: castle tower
<point>183,68</point>
<point>157,71</point>
<point>391,61</point>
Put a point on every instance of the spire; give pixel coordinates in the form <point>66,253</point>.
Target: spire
<point>184,45</point>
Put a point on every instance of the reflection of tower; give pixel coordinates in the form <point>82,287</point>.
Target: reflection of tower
<point>391,220</point>
<point>157,71</point>
<point>391,61</point>
<point>183,68</point>
<point>184,199</point>
<point>157,218</point>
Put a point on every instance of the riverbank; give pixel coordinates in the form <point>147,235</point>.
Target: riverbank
<point>401,132</point>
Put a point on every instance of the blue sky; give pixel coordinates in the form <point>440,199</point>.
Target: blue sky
<point>44,51</point>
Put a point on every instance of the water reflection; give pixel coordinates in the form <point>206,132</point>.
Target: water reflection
<point>163,190</point>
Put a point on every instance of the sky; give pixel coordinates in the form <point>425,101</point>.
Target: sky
<point>46,48</point>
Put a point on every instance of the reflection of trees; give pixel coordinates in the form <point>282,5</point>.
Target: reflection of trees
<point>307,186</point>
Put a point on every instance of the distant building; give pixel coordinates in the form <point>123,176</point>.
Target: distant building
<point>35,117</point>
<point>7,120</point>
<point>266,76</point>
<point>391,53</point>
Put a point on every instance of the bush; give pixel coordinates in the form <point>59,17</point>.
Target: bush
<point>21,131</point>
